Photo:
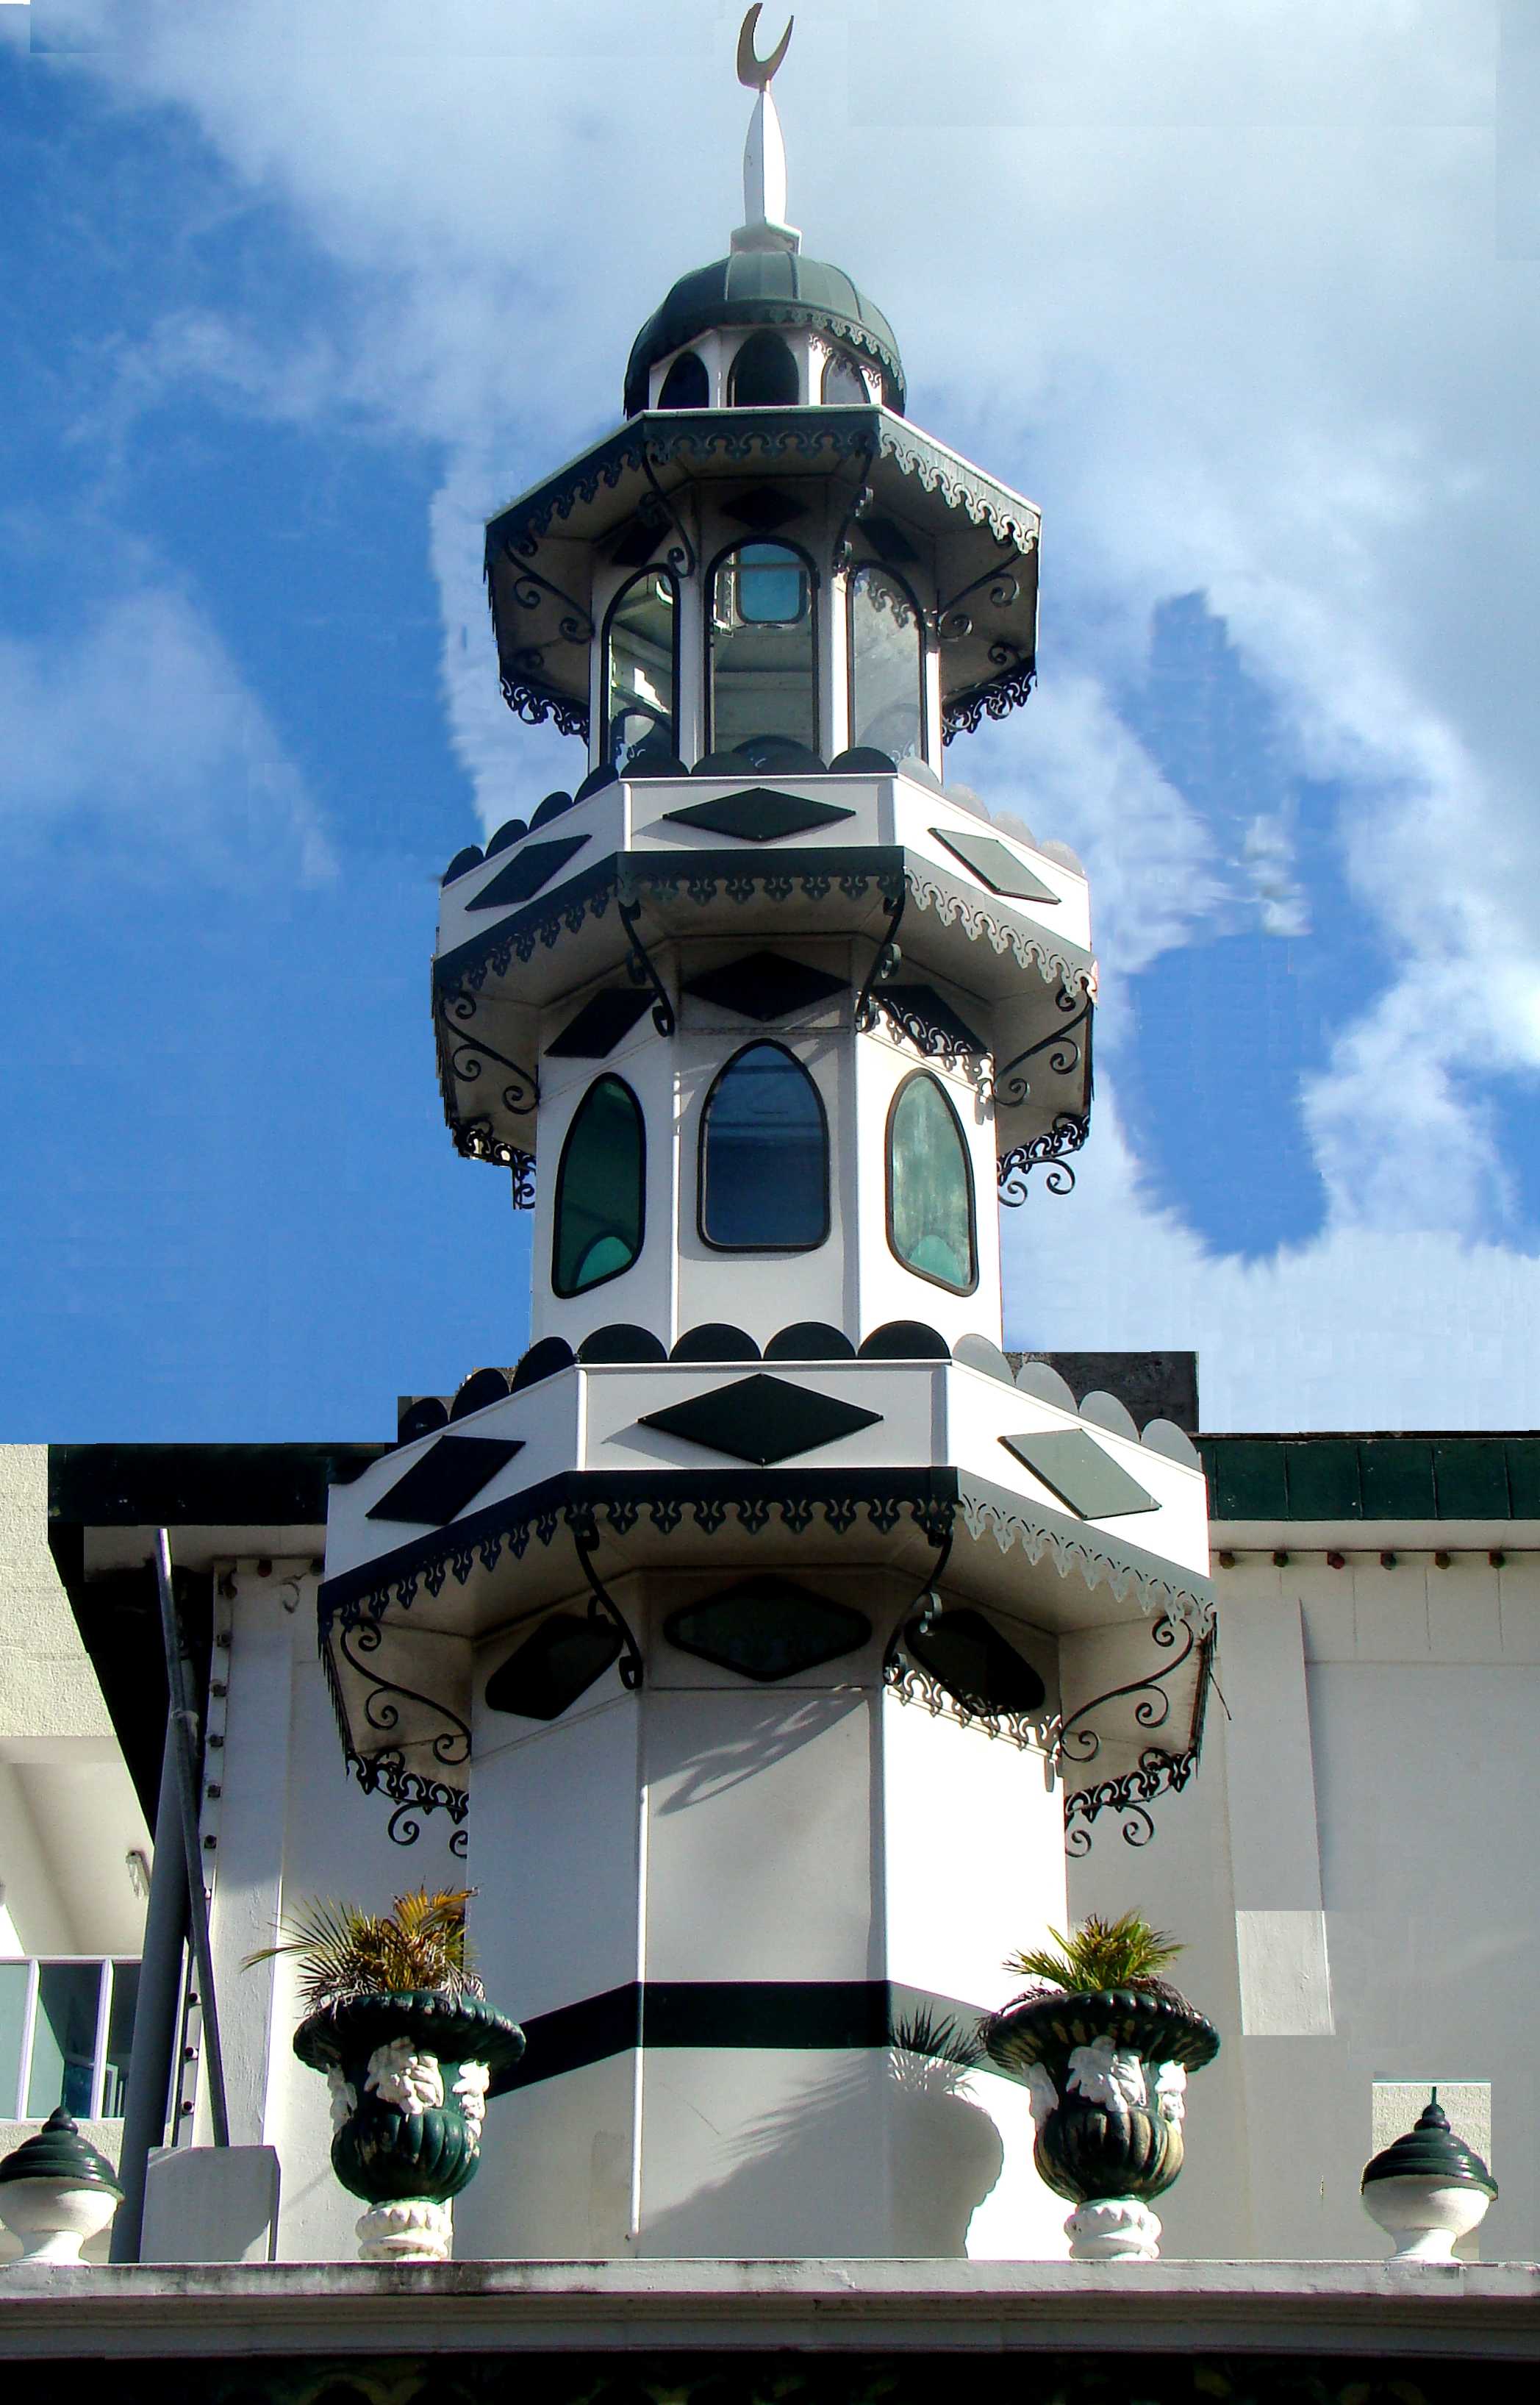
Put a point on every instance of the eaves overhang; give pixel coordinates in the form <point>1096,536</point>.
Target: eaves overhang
<point>975,542</point>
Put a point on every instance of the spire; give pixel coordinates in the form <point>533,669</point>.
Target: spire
<point>765,152</point>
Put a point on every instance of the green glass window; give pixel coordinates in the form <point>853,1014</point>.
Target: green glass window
<point>63,2039</point>
<point>931,1187</point>
<point>886,665</point>
<point>642,670</point>
<point>600,1198</point>
<point>764,1156</point>
<point>762,665</point>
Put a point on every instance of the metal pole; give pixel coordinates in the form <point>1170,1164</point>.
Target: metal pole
<point>155,2015</point>
<point>182,1729</point>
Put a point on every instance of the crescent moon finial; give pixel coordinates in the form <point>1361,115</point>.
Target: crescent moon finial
<point>757,73</point>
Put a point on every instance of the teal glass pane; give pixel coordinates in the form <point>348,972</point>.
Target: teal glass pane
<point>762,679</point>
<point>13,2022</point>
<point>931,1187</point>
<point>63,2038</point>
<point>640,703</point>
<point>125,1998</point>
<point>885,665</point>
<point>764,1156</point>
<point>599,1191</point>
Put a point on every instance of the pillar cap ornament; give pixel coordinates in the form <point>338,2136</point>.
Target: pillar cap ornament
<point>58,2152</point>
<point>1430,2151</point>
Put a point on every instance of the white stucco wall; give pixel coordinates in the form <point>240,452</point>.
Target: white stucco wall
<point>1352,1872</point>
<point>68,1814</point>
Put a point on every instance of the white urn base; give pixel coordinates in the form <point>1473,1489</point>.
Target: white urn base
<point>1112,2230</point>
<point>1424,2218</point>
<point>418,2232</point>
<point>52,2221</point>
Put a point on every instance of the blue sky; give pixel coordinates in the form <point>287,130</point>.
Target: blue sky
<point>296,295</point>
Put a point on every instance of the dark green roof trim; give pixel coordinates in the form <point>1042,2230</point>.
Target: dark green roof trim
<point>657,438</point>
<point>198,1485</point>
<point>701,877</point>
<point>763,288</point>
<point>1373,1478</point>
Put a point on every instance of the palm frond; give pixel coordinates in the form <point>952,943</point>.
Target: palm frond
<point>1099,1953</point>
<point>343,1951</point>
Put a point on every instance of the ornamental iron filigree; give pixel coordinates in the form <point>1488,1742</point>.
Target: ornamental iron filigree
<point>1067,1134</point>
<point>885,960</point>
<point>475,1141</point>
<point>995,698</point>
<point>1161,1770</point>
<point>1064,1055</point>
<point>384,1771</point>
<point>466,1052</point>
<point>640,969</point>
<point>585,1538</point>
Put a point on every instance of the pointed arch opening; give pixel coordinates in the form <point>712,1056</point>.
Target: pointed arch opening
<point>642,670</point>
<point>763,1184</point>
<point>931,1221</point>
<point>601,1191</point>
<point>686,386</point>
<point>765,373</point>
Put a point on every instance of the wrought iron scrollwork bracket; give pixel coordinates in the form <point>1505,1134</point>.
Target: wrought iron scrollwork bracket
<point>655,509</point>
<point>641,969</point>
<point>954,625</point>
<point>884,961</point>
<point>861,502</point>
<point>576,626</point>
<point>1159,1771</point>
<point>585,1537</point>
<point>385,1772</point>
<point>467,1052</point>
<point>1064,1054</point>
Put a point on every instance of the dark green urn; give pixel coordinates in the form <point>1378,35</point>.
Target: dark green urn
<point>1106,2071</point>
<point>409,2071</point>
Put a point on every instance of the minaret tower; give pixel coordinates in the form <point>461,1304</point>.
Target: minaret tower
<point>746,1633</point>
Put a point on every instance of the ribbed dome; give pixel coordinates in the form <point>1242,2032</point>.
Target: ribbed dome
<point>763,288</point>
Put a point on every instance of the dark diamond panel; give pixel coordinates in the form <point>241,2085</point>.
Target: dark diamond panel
<point>544,1677</point>
<point>531,869</point>
<point>761,1420</point>
<point>974,1662</point>
<point>444,1480</point>
<point>758,814</point>
<point>599,1025</point>
<point>1081,1474</point>
<point>996,862</point>
<point>764,1629</point>
<point>764,986</point>
<point>764,509</point>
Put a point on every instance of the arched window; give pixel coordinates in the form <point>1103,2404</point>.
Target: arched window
<point>886,665</point>
<point>843,381</point>
<point>600,1189</point>
<point>762,675</point>
<point>763,1155</point>
<point>686,384</point>
<point>930,1186</point>
<point>641,668</point>
<point>765,374</point>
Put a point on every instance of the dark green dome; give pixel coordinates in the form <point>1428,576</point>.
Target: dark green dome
<point>763,288</point>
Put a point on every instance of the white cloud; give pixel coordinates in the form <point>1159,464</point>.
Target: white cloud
<point>1366,1328</point>
<point>137,740</point>
<point>1219,286</point>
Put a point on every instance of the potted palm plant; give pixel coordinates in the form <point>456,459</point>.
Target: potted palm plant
<point>1103,2045</point>
<point>411,2050</point>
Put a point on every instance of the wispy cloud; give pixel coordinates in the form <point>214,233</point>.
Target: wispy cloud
<point>136,744</point>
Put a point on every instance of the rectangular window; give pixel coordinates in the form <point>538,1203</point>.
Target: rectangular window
<point>66,2031</point>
